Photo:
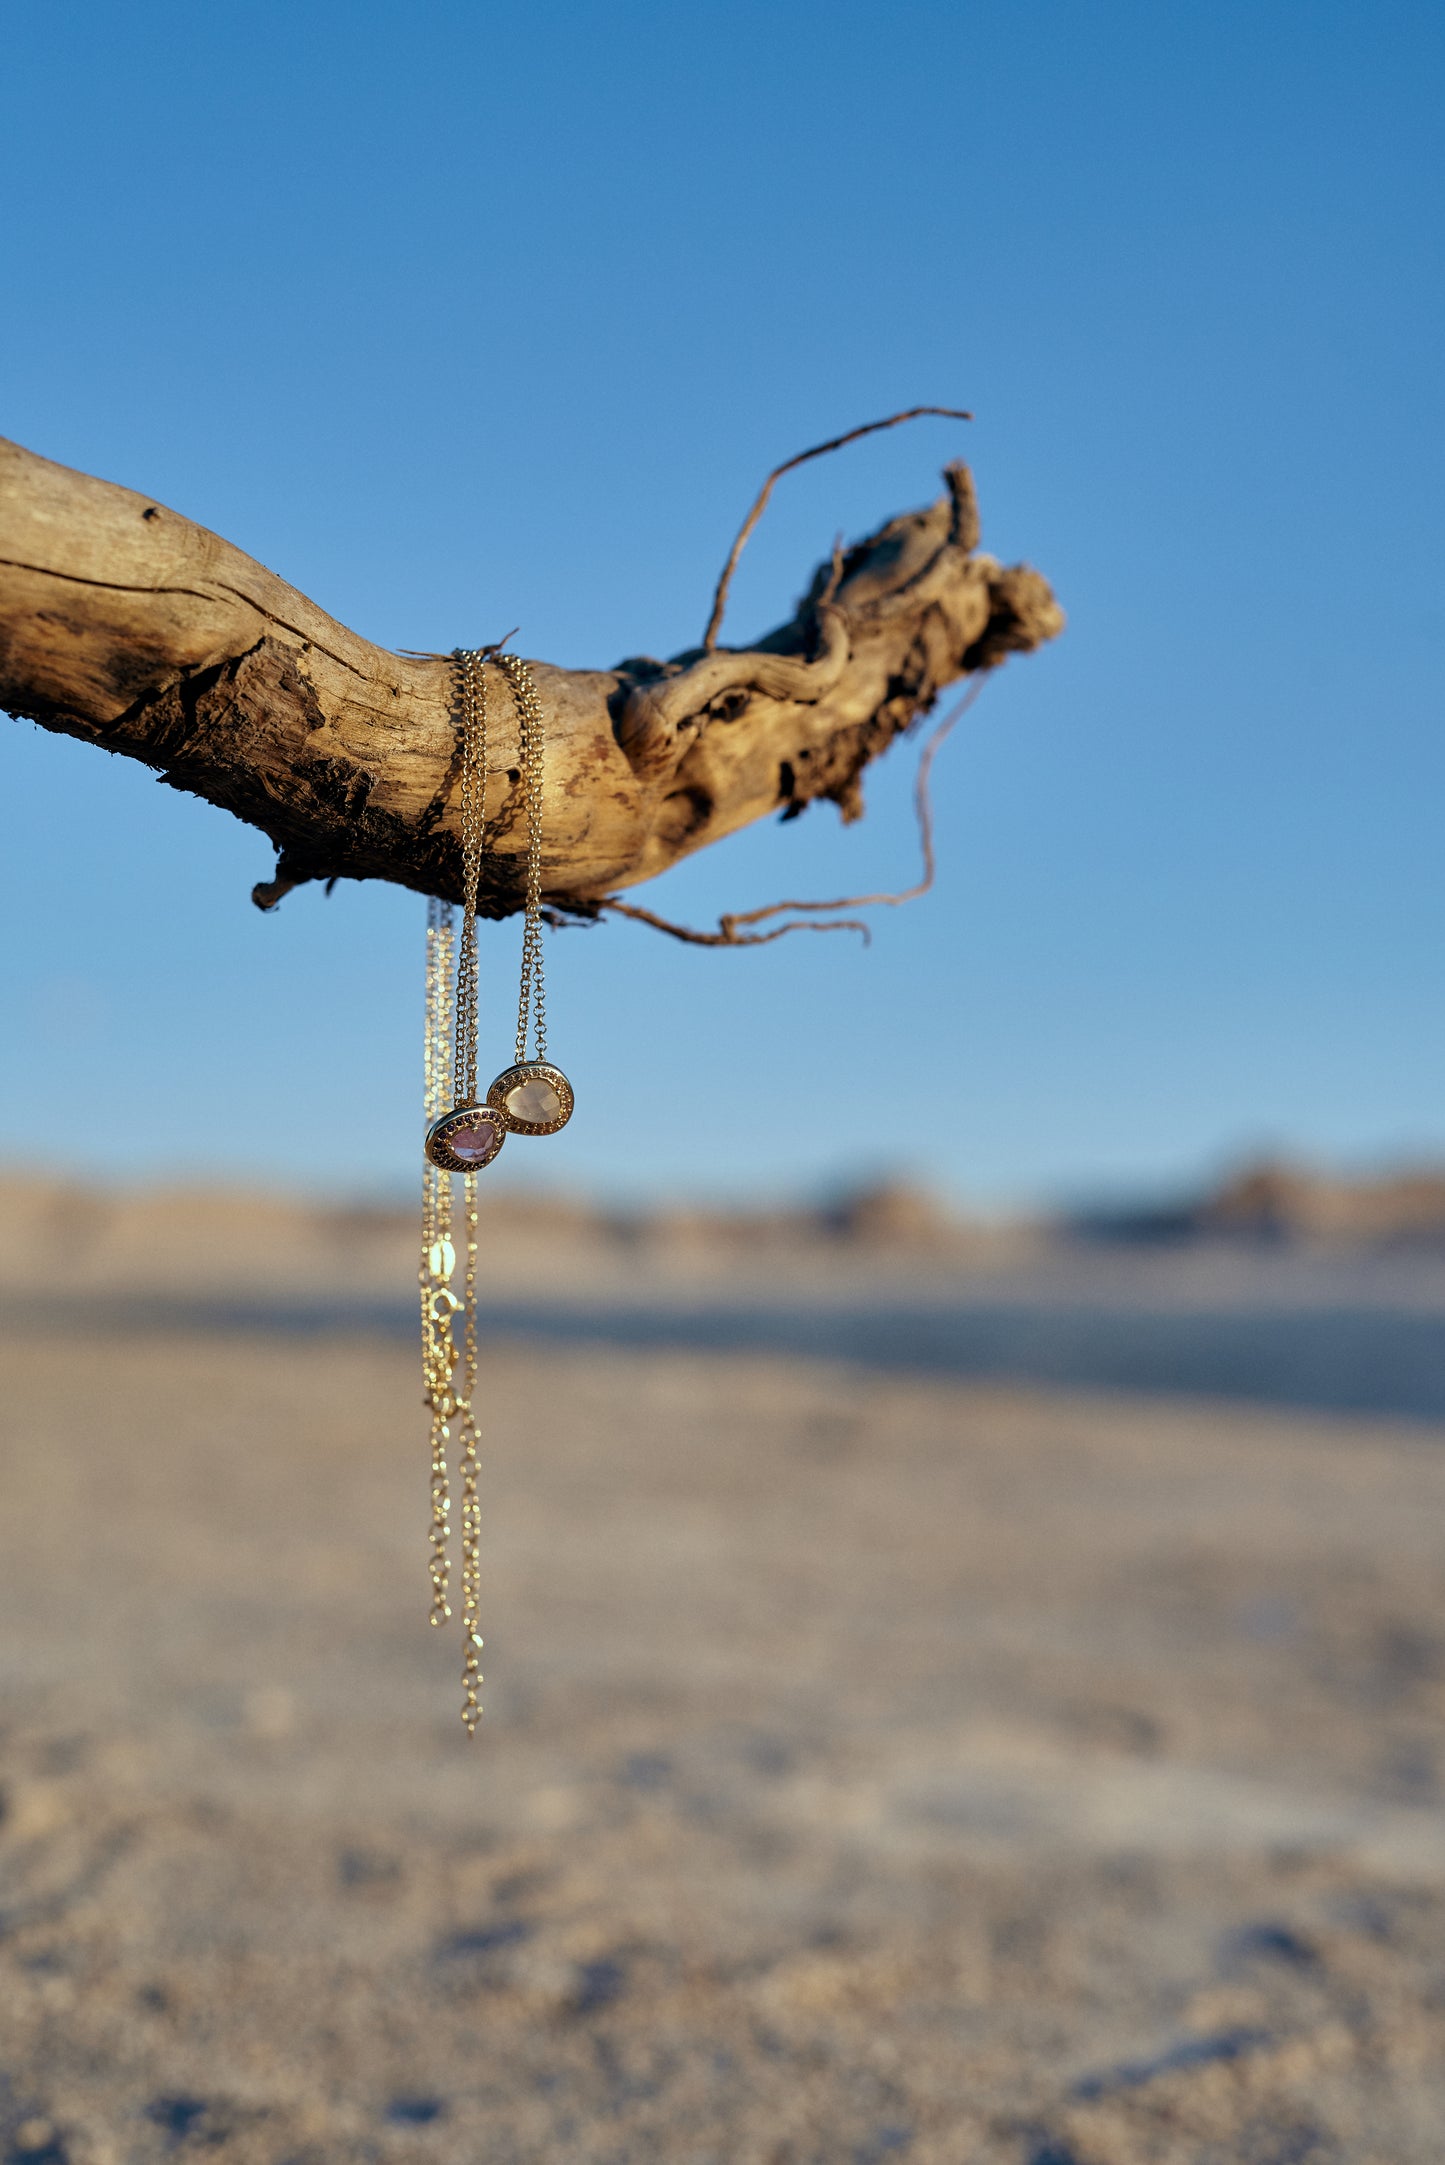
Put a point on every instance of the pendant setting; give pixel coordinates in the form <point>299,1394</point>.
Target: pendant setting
<point>532,1098</point>
<point>466,1139</point>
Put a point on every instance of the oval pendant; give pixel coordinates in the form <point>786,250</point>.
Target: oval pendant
<point>533,1098</point>
<point>466,1138</point>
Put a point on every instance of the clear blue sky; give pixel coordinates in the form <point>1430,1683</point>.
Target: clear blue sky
<point>461,316</point>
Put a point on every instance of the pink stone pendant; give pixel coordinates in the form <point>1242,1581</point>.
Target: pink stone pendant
<point>466,1139</point>
<point>532,1098</point>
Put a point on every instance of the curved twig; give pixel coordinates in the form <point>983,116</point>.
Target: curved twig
<point>923,807</point>
<point>836,443</point>
<point>728,935</point>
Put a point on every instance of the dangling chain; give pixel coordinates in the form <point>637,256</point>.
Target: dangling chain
<point>471,1502</point>
<point>472,700</point>
<point>533,997</point>
<point>451,1092</point>
<point>450,1069</point>
<point>438,1257</point>
<point>472,684</point>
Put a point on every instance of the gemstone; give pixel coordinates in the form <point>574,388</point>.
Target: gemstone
<point>535,1101</point>
<point>476,1142</point>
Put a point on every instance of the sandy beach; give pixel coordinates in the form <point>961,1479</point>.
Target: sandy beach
<point>872,1768</point>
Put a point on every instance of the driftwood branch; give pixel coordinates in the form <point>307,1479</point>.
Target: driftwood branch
<point>124,624</point>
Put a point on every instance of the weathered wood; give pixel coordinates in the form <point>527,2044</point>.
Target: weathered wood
<point>124,624</point>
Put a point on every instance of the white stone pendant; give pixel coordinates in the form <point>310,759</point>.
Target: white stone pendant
<point>533,1098</point>
<point>466,1139</point>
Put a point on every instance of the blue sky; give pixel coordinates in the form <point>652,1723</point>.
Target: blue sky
<point>463,316</point>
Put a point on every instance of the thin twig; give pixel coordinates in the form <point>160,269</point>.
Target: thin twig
<point>484,653</point>
<point>725,936</point>
<point>923,807</point>
<point>728,934</point>
<point>869,428</point>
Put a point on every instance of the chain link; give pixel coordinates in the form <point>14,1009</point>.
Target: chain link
<point>438,1346</point>
<point>471,1504</point>
<point>450,1078</point>
<point>532,1000</point>
<point>472,700</point>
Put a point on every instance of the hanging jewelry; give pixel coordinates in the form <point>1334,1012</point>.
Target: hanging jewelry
<point>459,1138</point>
<point>532,1097</point>
<point>466,1136</point>
<point>438,1256</point>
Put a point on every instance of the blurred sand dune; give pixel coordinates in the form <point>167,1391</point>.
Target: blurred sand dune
<point>220,1240</point>
<point>1272,1232</point>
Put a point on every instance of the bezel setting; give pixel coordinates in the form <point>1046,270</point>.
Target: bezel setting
<point>530,1071</point>
<point>438,1137</point>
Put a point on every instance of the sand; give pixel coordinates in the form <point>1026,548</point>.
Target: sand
<point>872,1769</point>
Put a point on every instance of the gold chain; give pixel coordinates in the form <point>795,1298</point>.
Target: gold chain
<point>450,1075</point>
<point>472,685</point>
<point>438,1303</point>
<point>533,727</point>
<point>471,1502</point>
<point>472,688</point>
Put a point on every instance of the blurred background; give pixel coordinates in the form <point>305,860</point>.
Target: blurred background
<point>968,1619</point>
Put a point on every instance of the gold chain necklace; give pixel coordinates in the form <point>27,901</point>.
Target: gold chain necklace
<point>464,1134</point>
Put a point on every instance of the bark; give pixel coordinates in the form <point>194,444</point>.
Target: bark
<point>124,624</point>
